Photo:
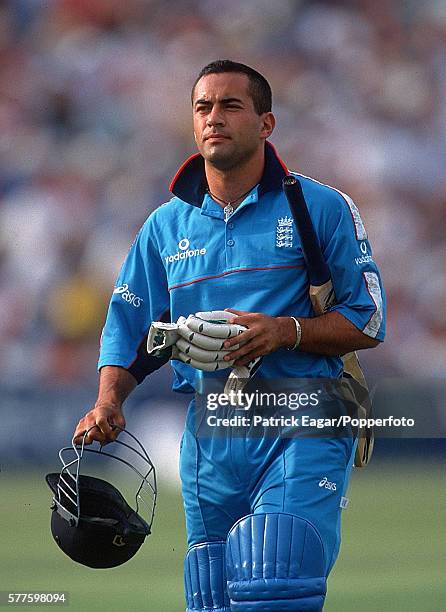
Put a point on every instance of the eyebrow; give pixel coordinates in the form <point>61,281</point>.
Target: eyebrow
<point>223,100</point>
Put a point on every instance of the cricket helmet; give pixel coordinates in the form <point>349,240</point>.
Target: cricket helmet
<point>91,521</point>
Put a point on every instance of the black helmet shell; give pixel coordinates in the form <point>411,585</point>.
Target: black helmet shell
<point>108,531</point>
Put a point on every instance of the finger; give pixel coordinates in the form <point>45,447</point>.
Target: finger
<point>241,339</point>
<point>200,354</point>
<point>244,320</point>
<point>94,434</point>
<point>246,360</point>
<point>118,420</point>
<point>117,425</point>
<point>237,312</point>
<point>79,436</point>
<point>244,350</point>
<point>108,431</point>
<point>84,436</point>
<point>254,345</point>
<point>80,431</point>
<point>104,425</point>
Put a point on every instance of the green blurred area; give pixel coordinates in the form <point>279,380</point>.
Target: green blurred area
<point>392,557</point>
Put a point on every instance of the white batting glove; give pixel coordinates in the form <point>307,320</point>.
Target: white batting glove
<point>202,337</point>
<point>199,342</point>
<point>202,346</point>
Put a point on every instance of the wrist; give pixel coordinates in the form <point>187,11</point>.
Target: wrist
<point>291,332</point>
<point>108,403</point>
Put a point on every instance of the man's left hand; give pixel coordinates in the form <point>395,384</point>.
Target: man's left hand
<point>265,334</point>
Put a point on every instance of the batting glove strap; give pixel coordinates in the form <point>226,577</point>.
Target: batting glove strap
<point>161,337</point>
<point>239,378</point>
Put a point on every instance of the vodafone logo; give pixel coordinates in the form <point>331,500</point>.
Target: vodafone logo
<point>365,258</point>
<point>184,252</point>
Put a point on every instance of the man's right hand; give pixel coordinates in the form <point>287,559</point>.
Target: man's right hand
<point>104,416</point>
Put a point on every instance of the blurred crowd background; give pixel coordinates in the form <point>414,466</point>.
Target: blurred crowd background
<point>95,120</point>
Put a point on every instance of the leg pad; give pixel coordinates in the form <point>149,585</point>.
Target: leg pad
<point>205,578</point>
<point>275,563</point>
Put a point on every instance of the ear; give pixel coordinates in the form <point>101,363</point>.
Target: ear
<point>268,125</point>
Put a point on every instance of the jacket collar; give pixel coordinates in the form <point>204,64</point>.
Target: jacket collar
<point>189,183</point>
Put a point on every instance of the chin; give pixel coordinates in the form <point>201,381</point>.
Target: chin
<point>219,159</point>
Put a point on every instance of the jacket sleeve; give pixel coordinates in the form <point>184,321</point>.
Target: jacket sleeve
<point>140,297</point>
<point>356,279</point>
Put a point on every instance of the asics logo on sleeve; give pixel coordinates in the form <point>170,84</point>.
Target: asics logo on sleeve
<point>128,296</point>
<point>184,252</point>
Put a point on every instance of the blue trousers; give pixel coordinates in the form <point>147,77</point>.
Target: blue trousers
<point>226,477</point>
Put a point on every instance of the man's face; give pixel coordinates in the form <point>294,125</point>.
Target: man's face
<point>227,129</point>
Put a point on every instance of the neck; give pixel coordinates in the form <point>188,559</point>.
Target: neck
<point>228,185</point>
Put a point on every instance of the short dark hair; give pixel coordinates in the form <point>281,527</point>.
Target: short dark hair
<point>259,89</point>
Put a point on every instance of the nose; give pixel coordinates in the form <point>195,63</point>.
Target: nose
<point>215,117</point>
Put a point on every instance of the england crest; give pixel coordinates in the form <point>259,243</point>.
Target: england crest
<point>284,232</point>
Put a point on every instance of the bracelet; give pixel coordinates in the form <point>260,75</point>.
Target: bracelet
<point>298,334</point>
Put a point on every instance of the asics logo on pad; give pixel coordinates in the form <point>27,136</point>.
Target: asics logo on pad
<point>184,252</point>
<point>331,486</point>
<point>128,296</point>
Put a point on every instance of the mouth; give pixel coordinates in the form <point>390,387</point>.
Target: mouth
<point>216,137</point>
